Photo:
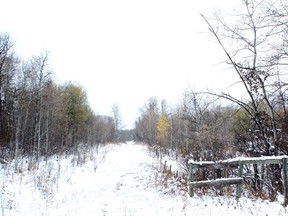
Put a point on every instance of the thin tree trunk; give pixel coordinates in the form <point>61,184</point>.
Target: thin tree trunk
<point>39,135</point>
<point>17,142</point>
<point>47,132</point>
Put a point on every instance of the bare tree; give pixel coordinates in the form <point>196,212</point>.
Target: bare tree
<point>248,39</point>
<point>117,121</point>
<point>41,75</point>
<point>7,71</point>
<point>252,36</point>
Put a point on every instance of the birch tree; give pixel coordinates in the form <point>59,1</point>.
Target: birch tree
<point>117,121</point>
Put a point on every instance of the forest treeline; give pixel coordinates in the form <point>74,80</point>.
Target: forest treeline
<point>254,41</point>
<point>39,117</point>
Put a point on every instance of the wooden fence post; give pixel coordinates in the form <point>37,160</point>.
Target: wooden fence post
<point>285,181</point>
<point>190,179</point>
<point>240,175</point>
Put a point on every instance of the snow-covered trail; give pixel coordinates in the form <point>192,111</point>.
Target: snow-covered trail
<point>115,180</point>
<point>124,184</point>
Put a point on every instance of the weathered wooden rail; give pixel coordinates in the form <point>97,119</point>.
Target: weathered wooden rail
<point>235,163</point>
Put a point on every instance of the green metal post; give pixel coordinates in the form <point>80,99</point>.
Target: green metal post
<point>190,179</point>
<point>285,181</point>
<point>239,186</point>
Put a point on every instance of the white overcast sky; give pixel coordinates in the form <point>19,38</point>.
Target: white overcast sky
<point>121,51</point>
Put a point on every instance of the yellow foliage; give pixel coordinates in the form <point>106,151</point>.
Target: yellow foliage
<point>162,127</point>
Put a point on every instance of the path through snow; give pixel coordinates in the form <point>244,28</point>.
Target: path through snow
<point>124,184</point>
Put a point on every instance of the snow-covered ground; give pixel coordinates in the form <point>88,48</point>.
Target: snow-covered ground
<point>119,179</point>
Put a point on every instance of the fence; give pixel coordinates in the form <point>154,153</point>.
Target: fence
<point>235,163</point>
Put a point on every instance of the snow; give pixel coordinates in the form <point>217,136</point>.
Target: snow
<point>242,159</point>
<point>114,179</point>
<point>201,162</point>
<point>221,180</point>
<point>263,158</point>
